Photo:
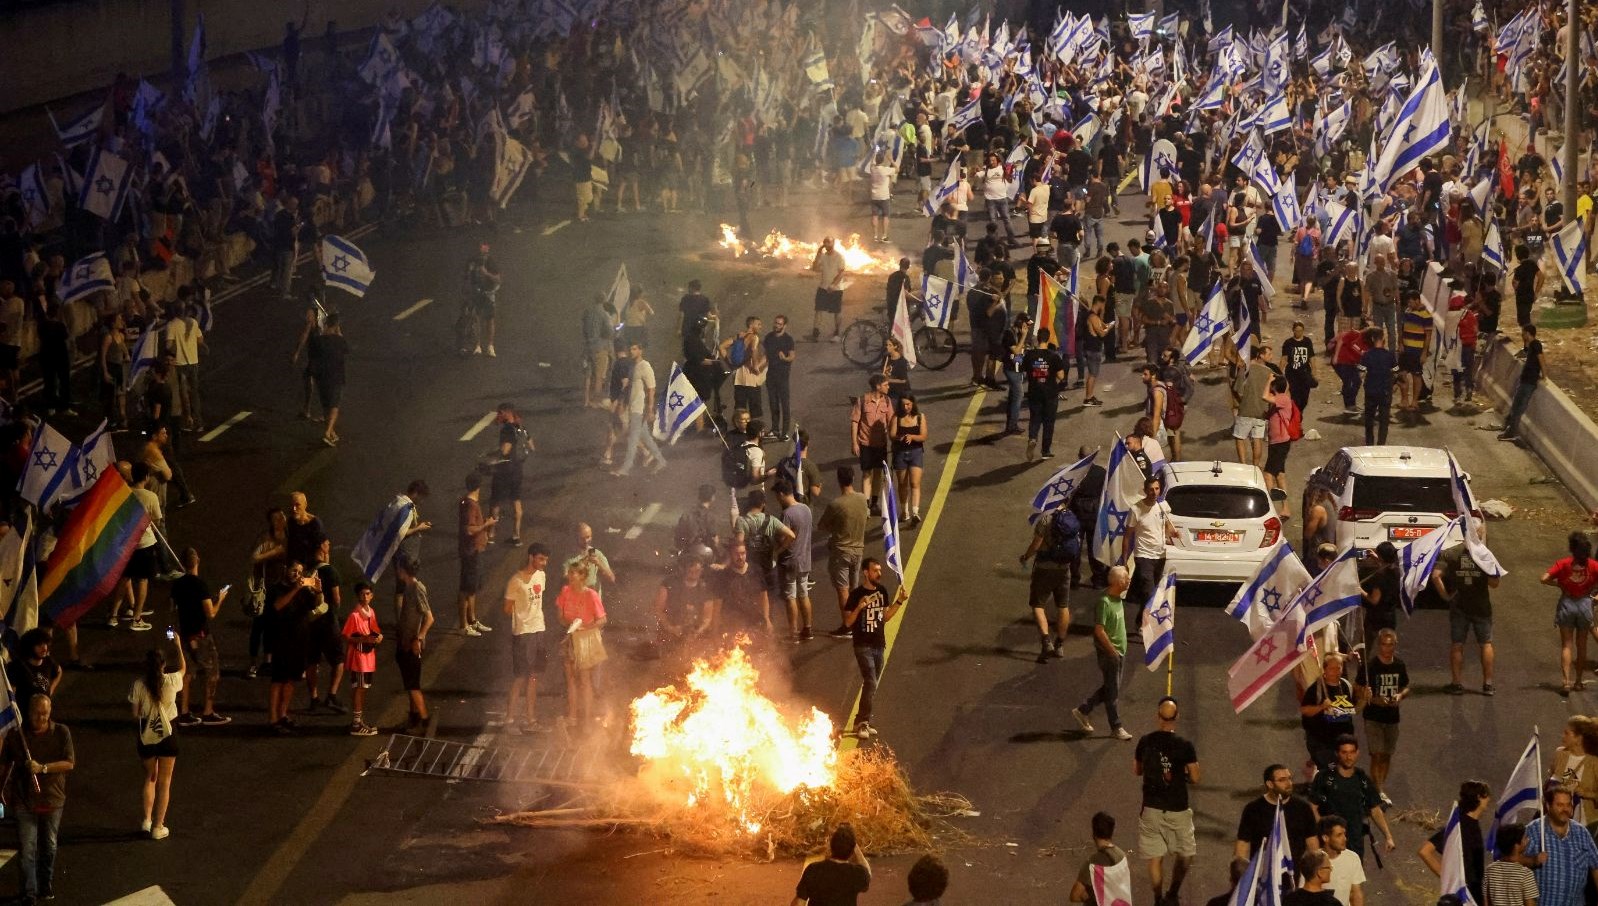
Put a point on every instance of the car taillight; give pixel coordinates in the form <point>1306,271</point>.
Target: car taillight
<point>1273,531</point>
<point>1349,514</point>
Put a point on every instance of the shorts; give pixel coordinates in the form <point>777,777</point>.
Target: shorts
<point>1050,581</point>
<point>844,569</point>
<point>324,643</point>
<point>505,486</point>
<point>288,662</point>
<point>143,564</point>
<point>410,668</point>
<point>873,458</point>
<point>1161,833</point>
<point>1092,360</point>
<point>1245,428</point>
<point>1460,626</point>
<point>527,655</point>
<point>1409,360</point>
<point>1573,613</point>
<point>829,300</point>
<point>166,748</point>
<point>908,458</point>
<point>795,583</point>
<point>879,207</point>
<point>329,392</point>
<point>1276,457</point>
<point>1381,737</point>
<point>1034,230</point>
<point>924,183</point>
<point>360,679</point>
<point>471,573</point>
<point>200,651</point>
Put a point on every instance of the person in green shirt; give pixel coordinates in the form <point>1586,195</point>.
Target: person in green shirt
<point>1106,854</point>
<point>1109,645</point>
<point>596,566</point>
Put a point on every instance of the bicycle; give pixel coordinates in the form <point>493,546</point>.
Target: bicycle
<point>865,342</point>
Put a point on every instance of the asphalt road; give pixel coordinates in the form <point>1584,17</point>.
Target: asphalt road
<point>260,819</point>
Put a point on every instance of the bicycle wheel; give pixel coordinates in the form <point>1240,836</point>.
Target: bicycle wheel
<point>864,343</point>
<point>935,347</point>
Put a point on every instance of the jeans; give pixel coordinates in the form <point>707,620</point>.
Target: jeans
<point>1329,334</point>
<point>999,212</point>
<point>870,661</point>
<point>1386,317</point>
<point>1378,412</point>
<point>1017,382</point>
<point>1069,256</point>
<point>1350,376</point>
<point>36,839</point>
<point>1517,406</point>
<point>283,272</point>
<point>1465,374</point>
<point>781,408</point>
<point>638,434</point>
<point>1093,235</point>
<point>189,393</point>
<point>1146,573</point>
<point>1041,410</point>
<point>1109,689</point>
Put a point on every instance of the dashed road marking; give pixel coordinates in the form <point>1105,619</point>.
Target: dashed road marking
<point>413,309</point>
<point>216,432</point>
<point>477,429</point>
<point>554,228</point>
<point>649,513</point>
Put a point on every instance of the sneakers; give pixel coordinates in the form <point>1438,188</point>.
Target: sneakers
<point>471,631</point>
<point>1031,450</point>
<point>842,632</point>
<point>1058,651</point>
<point>1121,734</point>
<point>252,672</point>
<point>1044,650</point>
<point>477,350</point>
<point>1386,800</point>
<point>214,720</point>
<point>807,635</point>
<point>1082,720</point>
<point>144,825</point>
<point>1487,689</point>
<point>1454,689</point>
<point>187,720</point>
<point>480,626</point>
<point>160,833</point>
<point>1048,456</point>
<point>361,728</point>
<point>862,730</point>
<point>140,626</point>
<point>334,705</point>
<point>1507,435</point>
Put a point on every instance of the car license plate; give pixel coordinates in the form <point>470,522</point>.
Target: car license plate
<point>1407,532</point>
<point>1212,536</point>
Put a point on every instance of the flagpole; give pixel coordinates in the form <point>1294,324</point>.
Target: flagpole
<point>1170,663</point>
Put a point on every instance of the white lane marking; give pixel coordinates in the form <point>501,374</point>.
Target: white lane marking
<point>637,529</point>
<point>413,309</point>
<point>477,429</point>
<point>149,896</point>
<point>216,432</point>
<point>554,228</point>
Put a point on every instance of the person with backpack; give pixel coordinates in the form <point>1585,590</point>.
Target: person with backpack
<point>1178,378</point>
<point>700,526</point>
<point>745,355</point>
<point>1284,425</point>
<point>764,536</point>
<point>508,463</point>
<point>1056,546</point>
<point>1156,400</point>
<point>1045,372</point>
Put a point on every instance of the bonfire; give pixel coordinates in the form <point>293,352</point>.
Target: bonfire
<point>857,259</point>
<point>724,770</point>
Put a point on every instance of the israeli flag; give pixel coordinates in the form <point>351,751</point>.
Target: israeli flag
<point>1276,581</point>
<point>1570,252</point>
<point>1260,273</point>
<point>1243,328</point>
<point>1492,249</point>
<point>1481,194</point>
<point>1556,164</point>
<point>1123,486</point>
<point>1521,792</point>
<point>82,128</point>
<point>381,540</point>
<point>1341,222</point>
<point>1277,861</point>
<point>937,299</point>
<point>1159,622</point>
<point>1329,595</point>
<point>967,116</point>
<point>1206,233</point>
<point>345,266</point>
<point>1247,890</point>
<point>1471,527</point>
<point>1452,878</point>
<point>1478,18</point>
<point>93,457</point>
<point>1285,204</point>
<point>944,191</point>
<point>1322,62</point>
<point>1214,96</point>
<point>1086,130</point>
<point>1301,43</point>
<point>145,353</point>
<point>1208,328</point>
<point>85,278</point>
<point>890,526</point>
<point>1158,238</point>
<point>1422,127</point>
<point>1141,25</point>
<point>1060,487</point>
<point>49,470</point>
<point>677,408</point>
<point>1330,128</point>
<point>962,272</point>
<point>35,196</point>
<point>1417,559</point>
<point>105,185</point>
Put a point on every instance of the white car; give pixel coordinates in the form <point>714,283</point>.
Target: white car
<point>1392,494</point>
<point>1223,520</point>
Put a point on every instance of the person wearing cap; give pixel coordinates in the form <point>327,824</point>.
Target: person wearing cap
<point>1167,763</point>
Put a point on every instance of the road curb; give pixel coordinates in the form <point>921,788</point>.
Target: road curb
<point>1554,427</point>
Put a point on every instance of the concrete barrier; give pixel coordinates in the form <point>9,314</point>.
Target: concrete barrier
<point>1554,427</point>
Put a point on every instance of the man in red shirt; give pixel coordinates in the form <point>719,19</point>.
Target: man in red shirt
<point>1345,361</point>
<point>869,423</point>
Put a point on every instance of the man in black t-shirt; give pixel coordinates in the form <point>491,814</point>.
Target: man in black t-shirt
<point>1527,279</point>
<point>324,640</point>
<point>693,306</point>
<point>839,879</point>
<point>505,482</point>
<point>1045,371</point>
<point>1327,712</point>
<point>1167,763</point>
<point>196,607</point>
<point>1379,686</point>
<point>290,605</point>
<point>867,613</point>
<point>1467,588</point>
<point>1531,374</point>
<point>780,354</point>
<point>1259,816</point>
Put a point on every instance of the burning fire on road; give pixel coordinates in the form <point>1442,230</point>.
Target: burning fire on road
<point>857,259</point>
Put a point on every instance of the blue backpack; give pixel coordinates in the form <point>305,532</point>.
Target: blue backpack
<point>1065,537</point>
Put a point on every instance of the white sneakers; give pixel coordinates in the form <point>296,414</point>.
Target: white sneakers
<point>1082,720</point>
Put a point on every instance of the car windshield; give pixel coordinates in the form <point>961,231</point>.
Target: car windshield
<point>1218,502</point>
<point>1408,494</point>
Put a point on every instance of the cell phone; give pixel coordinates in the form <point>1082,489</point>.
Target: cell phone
<point>171,633</point>
<point>225,589</point>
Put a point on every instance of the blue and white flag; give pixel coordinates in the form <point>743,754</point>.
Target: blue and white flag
<point>49,469</point>
<point>1285,205</point>
<point>1482,193</point>
<point>1243,328</point>
<point>381,60</point>
<point>10,714</point>
<point>1260,273</point>
<point>889,501</point>
<point>35,196</point>
<point>93,457</point>
<point>146,353</point>
<point>1141,25</point>
<point>677,408</point>
<point>345,266</point>
<point>1278,862</point>
<point>80,129</point>
<point>1206,230</point>
<point>1301,42</point>
<point>1521,793</point>
<point>1159,622</point>
<point>1157,237</point>
<point>1329,128</point>
<point>1329,595</point>
<point>105,185</point>
<point>1570,252</point>
<point>1417,559</point>
<point>381,540</point>
<point>937,299</point>
<point>1246,893</point>
<point>966,116</point>
<point>944,191</point>
<point>87,276</point>
<point>1208,328</point>
<point>1471,526</point>
<point>1062,485</point>
<point>1492,249</point>
<point>1214,96</point>
<point>1341,221</point>
<point>1478,18</point>
<point>1086,130</point>
<point>963,272</point>
<point>1422,127</point>
<point>1123,486</point>
<point>1556,163</point>
<point>1452,876</point>
<point>1171,24</point>
<point>1261,601</point>
<point>1322,62</point>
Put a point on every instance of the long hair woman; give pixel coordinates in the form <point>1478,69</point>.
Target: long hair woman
<point>154,698</point>
<point>909,442</point>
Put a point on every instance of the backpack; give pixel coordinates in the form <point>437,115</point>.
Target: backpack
<point>738,353</point>
<point>1125,275</point>
<point>1306,244</point>
<point>1295,422</point>
<point>735,470</point>
<point>518,447</point>
<point>1065,537</point>
<point>1175,409</point>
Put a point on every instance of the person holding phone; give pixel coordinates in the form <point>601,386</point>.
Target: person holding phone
<point>196,607</point>
<point>154,698</point>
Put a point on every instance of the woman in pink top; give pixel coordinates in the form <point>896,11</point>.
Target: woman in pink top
<point>1575,576</point>
<point>584,647</point>
<point>1279,435</point>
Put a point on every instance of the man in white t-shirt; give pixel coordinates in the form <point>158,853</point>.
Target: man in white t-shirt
<point>1037,207</point>
<point>829,271</point>
<point>996,193</point>
<point>524,602</point>
<point>1147,531</point>
<point>882,173</point>
<point>640,406</point>
<point>1348,873</point>
<point>187,339</point>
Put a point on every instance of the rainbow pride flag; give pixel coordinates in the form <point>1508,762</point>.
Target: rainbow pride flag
<point>100,535</point>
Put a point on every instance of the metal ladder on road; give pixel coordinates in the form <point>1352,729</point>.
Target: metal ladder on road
<point>554,763</point>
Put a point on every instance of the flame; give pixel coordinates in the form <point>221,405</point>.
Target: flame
<point>856,258</point>
<point>722,746</point>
